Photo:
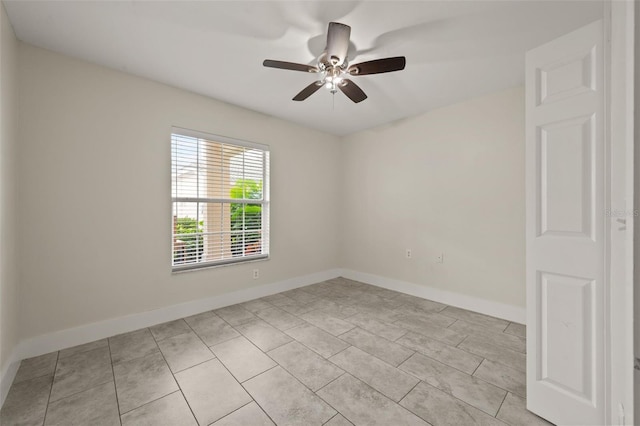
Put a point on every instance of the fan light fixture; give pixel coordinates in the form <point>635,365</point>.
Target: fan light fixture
<point>332,76</point>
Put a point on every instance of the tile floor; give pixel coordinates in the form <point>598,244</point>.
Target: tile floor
<point>334,353</point>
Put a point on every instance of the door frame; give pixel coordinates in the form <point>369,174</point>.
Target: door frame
<point>619,138</point>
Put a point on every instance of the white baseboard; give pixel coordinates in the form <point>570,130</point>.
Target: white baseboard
<point>7,376</point>
<point>99,330</point>
<point>483,306</point>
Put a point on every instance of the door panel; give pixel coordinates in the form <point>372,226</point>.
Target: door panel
<point>565,228</point>
<point>565,152</point>
<point>565,328</point>
<point>567,78</point>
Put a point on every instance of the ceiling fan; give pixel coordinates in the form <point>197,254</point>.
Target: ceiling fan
<point>334,67</point>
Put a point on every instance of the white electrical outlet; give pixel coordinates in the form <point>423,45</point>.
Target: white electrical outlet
<point>408,253</point>
<point>440,258</point>
<point>256,274</point>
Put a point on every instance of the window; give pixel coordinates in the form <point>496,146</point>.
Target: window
<point>220,194</point>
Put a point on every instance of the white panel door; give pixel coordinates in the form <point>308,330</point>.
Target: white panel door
<point>565,228</point>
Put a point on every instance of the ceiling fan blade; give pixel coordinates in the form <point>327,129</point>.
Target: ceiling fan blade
<point>338,42</point>
<point>352,90</point>
<point>289,66</point>
<point>308,91</point>
<point>378,66</point>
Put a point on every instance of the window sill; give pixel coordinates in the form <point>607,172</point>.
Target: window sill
<point>201,266</point>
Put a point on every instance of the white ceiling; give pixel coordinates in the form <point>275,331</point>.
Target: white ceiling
<point>454,49</point>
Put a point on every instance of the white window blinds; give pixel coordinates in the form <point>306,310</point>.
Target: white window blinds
<point>219,189</point>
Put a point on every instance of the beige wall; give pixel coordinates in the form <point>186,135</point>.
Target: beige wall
<point>449,181</point>
<point>8,142</point>
<point>94,200</point>
<point>94,185</point>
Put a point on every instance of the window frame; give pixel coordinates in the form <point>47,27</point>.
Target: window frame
<point>265,202</point>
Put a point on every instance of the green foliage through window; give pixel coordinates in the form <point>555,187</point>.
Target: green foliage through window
<point>246,219</point>
<point>188,234</point>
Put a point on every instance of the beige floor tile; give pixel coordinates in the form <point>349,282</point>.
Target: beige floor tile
<point>385,303</point>
<point>207,382</point>
<point>330,324</point>
<point>136,344</point>
<point>469,389</point>
<point>317,340</point>
<point>376,312</point>
<point>514,412</point>
<point>450,355</point>
<point>496,324</point>
<point>379,347</point>
<point>286,400</point>
<point>83,348</point>
<point>431,318</point>
<point>235,314</point>
<point>80,372</point>
<point>275,296</point>
<point>318,290</point>
<point>211,328</point>
<point>31,368</point>
<point>242,358</point>
<point>142,380</point>
<point>26,402</point>
<point>387,330</point>
<point>422,326</point>
<point>362,405</point>
<point>385,293</point>
<point>184,350</point>
<point>516,329</point>
<point>170,410</point>
<point>338,420</point>
<point>381,376</point>
<point>441,409</point>
<point>424,304</point>
<point>263,335</point>
<point>249,415</point>
<point>300,296</point>
<point>293,307</point>
<point>256,305</point>
<point>502,376</point>
<point>95,406</point>
<point>480,346</point>
<point>280,319</point>
<point>334,308</point>
<point>307,366</point>
<point>169,329</point>
<point>505,340</point>
<point>277,299</point>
